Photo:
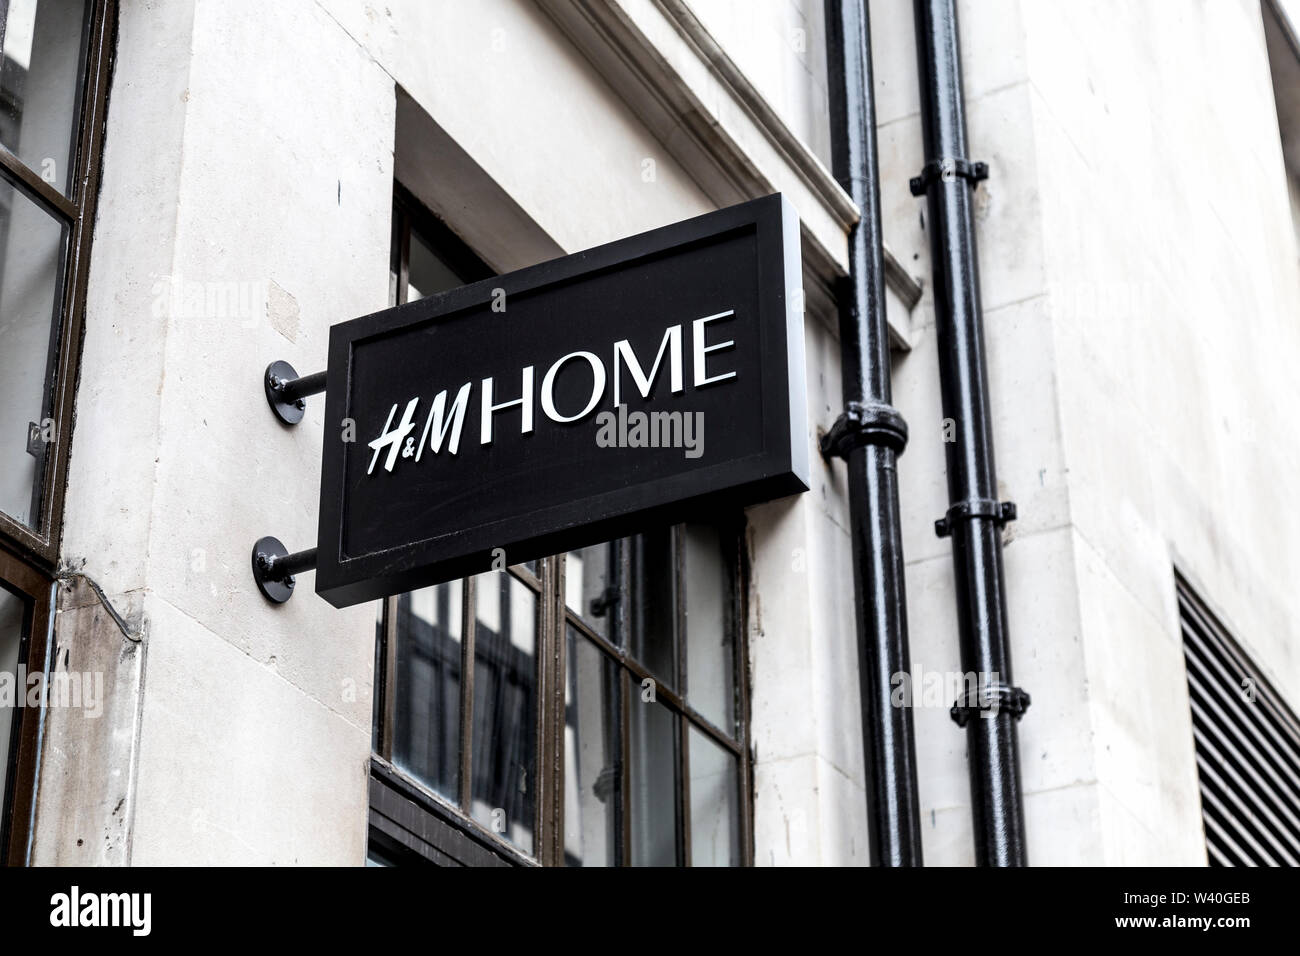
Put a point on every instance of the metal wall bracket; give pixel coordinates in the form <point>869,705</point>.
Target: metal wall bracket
<point>995,698</point>
<point>947,171</point>
<point>286,391</point>
<point>604,601</point>
<point>865,423</point>
<point>274,568</point>
<point>999,511</point>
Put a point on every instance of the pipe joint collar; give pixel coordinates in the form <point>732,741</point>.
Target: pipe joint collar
<point>948,170</point>
<point>865,423</point>
<point>998,511</point>
<point>989,701</point>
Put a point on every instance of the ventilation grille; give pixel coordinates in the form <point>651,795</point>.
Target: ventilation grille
<point>1247,748</point>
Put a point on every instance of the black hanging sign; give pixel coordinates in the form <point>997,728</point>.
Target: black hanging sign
<point>655,378</point>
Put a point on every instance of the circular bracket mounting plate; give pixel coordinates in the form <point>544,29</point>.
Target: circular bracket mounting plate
<point>289,412</point>
<point>266,549</point>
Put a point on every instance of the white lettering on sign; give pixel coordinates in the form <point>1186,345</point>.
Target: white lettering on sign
<point>597,387</point>
<point>443,425</point>
<point>525,401</point>
<point>701,350</point>
<point>439,424</point>
<point>393,439</point>
<point>623,352</point>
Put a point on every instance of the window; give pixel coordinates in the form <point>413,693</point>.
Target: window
<point>53,87</point>
<point>1247,747</point>
<point>1283,44</point>
<point>25,602</point>
<point>582,710</point>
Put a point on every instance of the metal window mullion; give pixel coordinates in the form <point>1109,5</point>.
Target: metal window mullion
<point>548,809</point>
<point>553,570</point>
<point>388,680</point>
<point>740,671</point>
<point>404,256</point>
<point>684,789</point>
<point>680,623</point>
<point>623,854</point>
<point>33,187</point>
<point>468,623</point>
<point>521,574</point>
<point>710,729</point>
<point>619,627</point>
<point>678,547</point>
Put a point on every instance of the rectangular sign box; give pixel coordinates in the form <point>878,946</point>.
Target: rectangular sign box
<point>653,379</point>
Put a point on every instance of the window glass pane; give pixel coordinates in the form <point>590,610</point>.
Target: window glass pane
<point>11,639</point>
<point>40,83</point>
<point>653,780</point>
<point>31,261</point>
<point>426,272</point>
<point>652,634</point>
<point>591,765</point>
<point>715,820</point>
<point>587,576</point>
<point>710,656</point>
<point>426,732</point>
<point>505,684</point>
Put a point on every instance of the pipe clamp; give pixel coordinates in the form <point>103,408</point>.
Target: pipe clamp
<point>1000,511</point>
<point>994,698</point>
<point>948,170</point>
<point>865,423</point>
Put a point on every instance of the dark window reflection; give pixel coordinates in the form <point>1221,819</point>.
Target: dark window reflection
<point>426,731</point>
<point>652,625</point>
<point>591,587</point>
<point>505,707</point>
<point>592,769</point>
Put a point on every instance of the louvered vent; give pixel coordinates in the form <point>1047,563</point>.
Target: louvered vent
<point>1247,748</point>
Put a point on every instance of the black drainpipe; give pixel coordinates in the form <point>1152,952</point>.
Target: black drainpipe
<point>869,436</point>
<point>975,517</point>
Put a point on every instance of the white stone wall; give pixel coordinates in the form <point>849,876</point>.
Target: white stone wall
<point>248,165</point>
<point>780,45</point>
<point>1139,293</point>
